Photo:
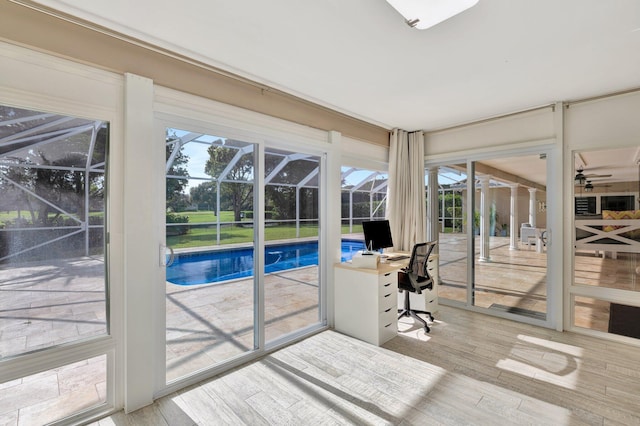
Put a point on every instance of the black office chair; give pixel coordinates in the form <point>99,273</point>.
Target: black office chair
<point>415,278</point>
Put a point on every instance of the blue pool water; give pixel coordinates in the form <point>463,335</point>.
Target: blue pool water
<point>222,265</point>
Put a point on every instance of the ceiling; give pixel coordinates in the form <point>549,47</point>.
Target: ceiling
<point>359,57</point>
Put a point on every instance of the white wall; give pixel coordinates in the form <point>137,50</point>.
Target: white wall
<point>364,155</point>
<point>604,123</point>
<point>517,130</point>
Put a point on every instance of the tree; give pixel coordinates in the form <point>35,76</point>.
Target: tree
<point>204,194</point>
<point>177,200</point>
<point>281,192</point>
<point>57,183</point>
<point>236,190</point>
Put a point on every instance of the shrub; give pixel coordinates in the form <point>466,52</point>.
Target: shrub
<point>176,218</point>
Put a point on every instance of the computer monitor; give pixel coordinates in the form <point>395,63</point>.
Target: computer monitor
<point>377,234</point>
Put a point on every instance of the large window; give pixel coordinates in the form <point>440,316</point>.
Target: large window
<point>363,197</point>
<point>52,215</point>
<point>53,287</point>
<point>606,263</point>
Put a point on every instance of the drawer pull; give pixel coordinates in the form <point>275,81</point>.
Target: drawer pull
<point>387,274</point>
<point>387,284</point>
<point>387,310</point>
<point>387,295</point>
<point>388,325</point>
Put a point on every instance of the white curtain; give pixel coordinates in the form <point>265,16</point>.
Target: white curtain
<point>406,203</point>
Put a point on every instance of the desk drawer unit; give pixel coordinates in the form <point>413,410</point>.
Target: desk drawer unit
<point>366,303</point>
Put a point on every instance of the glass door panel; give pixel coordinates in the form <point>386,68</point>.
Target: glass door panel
<point>210,283</point>
<point>453,234</point>
<point>52,266</point>
<point>606,261</point>
<point>292,280</point>
<point>510,259</point>
<point>53,286</point>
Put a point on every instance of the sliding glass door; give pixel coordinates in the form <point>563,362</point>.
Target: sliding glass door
<point>494,235</point>
<point>292,246</point>
<point>54,307</point>
<point>242,249</point>
<point>510,253</point>
<point>210,282</point>
<point>453,230</point>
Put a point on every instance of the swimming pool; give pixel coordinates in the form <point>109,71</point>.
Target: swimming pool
<point>229,264</point>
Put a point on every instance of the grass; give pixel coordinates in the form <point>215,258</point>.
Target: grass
<point>8,217</point>
<point>202,230</point>
<point>201,235</point>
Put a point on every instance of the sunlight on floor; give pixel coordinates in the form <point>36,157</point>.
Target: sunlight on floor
<point>546,360</point>
<point>407,327</point>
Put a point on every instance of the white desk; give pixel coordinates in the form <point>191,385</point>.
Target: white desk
<point>366,301</point>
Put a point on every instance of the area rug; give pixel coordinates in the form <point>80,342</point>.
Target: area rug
<point>624,320</point>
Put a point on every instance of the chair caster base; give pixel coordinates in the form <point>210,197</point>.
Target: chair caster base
<point>414,314</point>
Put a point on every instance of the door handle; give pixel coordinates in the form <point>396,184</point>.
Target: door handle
<point>163,255</point>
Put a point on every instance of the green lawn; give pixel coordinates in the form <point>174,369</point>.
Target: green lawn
<point>205,235</point>
<point>10,216</point>
<point>201,235</point>
<point>207,216</point>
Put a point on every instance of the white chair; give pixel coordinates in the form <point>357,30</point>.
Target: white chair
<point>526,231</point>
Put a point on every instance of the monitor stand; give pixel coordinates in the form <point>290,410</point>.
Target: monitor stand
<point>368,251</point>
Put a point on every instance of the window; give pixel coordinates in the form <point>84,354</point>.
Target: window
<point>52,215</point>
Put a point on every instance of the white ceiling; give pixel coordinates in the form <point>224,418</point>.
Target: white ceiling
<point>359,57</point>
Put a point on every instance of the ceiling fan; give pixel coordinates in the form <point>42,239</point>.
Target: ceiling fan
<point>581,178</point>
<point>588,187</point>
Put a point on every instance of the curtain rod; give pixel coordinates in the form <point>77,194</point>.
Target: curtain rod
<point>596,98</point>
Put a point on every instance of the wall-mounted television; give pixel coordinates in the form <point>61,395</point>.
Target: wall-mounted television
<point>377,234</point>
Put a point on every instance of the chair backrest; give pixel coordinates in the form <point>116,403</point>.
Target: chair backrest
<point>419,260</point>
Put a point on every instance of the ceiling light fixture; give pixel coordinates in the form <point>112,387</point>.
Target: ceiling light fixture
<point>423,14</point>
<point>588,187</point>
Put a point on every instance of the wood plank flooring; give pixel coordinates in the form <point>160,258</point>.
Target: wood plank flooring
<point>471,369</point>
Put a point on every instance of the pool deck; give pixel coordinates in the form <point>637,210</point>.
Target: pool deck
<point>43,305</point>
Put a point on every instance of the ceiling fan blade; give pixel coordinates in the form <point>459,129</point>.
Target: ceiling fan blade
<point>597,176</point>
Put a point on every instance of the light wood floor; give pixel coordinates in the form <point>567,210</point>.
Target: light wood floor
<point>471,369</point>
